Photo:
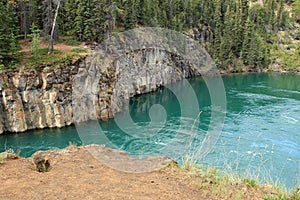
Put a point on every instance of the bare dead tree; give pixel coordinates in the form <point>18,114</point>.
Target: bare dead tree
<point>51,41</point>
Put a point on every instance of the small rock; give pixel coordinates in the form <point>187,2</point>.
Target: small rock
<point>42,164</point>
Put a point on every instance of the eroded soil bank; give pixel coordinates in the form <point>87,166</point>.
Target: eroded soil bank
<point>75,174</point>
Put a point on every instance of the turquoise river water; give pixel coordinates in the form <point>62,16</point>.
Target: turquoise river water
<point>261,135</point>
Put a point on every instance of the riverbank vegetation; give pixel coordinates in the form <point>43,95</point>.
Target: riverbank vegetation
<point>237,33</point>
<point>233,186</point>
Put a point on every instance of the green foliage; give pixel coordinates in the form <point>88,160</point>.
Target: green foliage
<point>72,42</point>
<point>8,31</point>
<point>288,60</point>
<point>131,7</point>
<point>296,194</point>
<point>219,183</point>
<point>79,50</point>
<point>274,197</point>
<point>54,60</point>
<point>233,31</point>
<point>1,159</point>
<point>286,52</point>
<point>284,196</point>
<point>296,10</point>
<point>250,182</point>
<point>227,43</point>
<point>87,19</point>
<point>35,40</point>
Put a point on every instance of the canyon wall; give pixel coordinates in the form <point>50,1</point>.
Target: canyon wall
<point>88,89</point>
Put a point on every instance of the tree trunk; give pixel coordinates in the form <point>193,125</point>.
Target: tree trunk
<point>53,27</point>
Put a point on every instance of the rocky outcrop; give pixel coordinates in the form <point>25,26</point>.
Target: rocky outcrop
<point>89,89</point>
<point>33,99</point>
<point>144,71</point>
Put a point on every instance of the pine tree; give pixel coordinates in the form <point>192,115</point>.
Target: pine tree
<point>245,11</point>
<point>109,19</point>
<point>79,20</point>
<point>257,52</point>
<point>296,10</point>
<point>48,16</point>
<point>35,40</point>
<point>88,22</point>
<point>70,8</point>
<point>270,11</point>
<point>29,12</point>
<point>254,52</point>
<point>99,16</point>
<point>189,14</point>
<point>248,33</point>
<point>226,47</point>
<point>239,26</point>
<point>282,16</point>
<point>150,17</point>
<point>218,28</point>
<point>130,14</point>
<point>8,43</point>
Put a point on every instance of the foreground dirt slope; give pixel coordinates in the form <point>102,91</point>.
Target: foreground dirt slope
<point>76,174</point>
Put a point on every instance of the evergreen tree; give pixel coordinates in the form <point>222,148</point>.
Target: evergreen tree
<point>239,25</point>
<point>79,20</point>
<point>248,33</point>
<point>70,8</point>
<point>48,16</point>
<point>270,13</point>
<point>218,28</point>
<point>296,10</point>
<point>131,8</point>
<point>99,20</point>
<point>282,16</point>
<point>189,14</point>
<point>228,29</point>
<point>226,47</point>
<point>35,40</point>
<point>257,52</point>
<point>29,12</point>
<point>89,21</point>
<point>151,9</point>
<point>254,52</point>
<point>8,31</point>
<point>245,10</point>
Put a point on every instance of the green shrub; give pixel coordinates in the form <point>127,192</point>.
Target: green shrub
<point>72,42</point>
<point>250,182</point>
<point>56,59</point>
<point>296,194</point>
<point>275,197</point>
<point>79,50</point>
<point>35,40</point>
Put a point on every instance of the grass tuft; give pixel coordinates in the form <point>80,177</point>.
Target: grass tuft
<point>72,42</point>
<point>56,59</point>
<point>250,182</point>
<point>232,186</point>
<point>8,154</point>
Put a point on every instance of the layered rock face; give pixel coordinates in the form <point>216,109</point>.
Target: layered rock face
<point>93,88</point>
<point>33,99</point>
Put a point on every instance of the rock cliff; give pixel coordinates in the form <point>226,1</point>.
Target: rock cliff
<point>88,89</point>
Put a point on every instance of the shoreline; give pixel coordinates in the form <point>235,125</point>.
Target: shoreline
<point>74,173</point>
<point>221,72</point>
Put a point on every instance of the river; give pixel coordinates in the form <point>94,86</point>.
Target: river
<point>261,135</point>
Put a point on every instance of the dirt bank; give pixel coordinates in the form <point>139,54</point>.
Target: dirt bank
<point>75,174</point>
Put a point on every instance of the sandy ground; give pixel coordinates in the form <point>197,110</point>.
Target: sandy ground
<point>25,45</point>
<point>75,174</point>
